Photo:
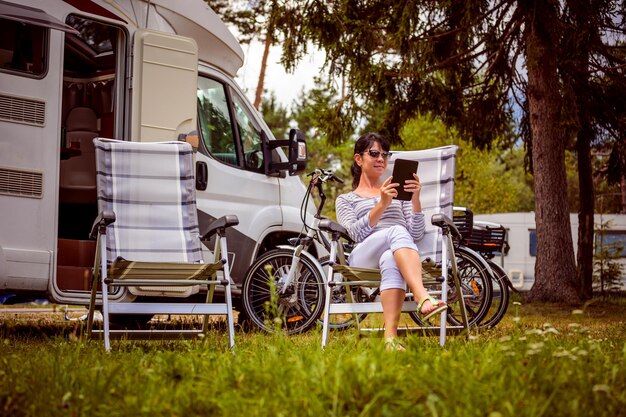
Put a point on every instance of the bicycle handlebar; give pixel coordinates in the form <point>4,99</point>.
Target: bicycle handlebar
<point>318,178</point>
<point>324,175</point>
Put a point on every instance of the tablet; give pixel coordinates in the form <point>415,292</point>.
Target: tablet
<point>403,169</point>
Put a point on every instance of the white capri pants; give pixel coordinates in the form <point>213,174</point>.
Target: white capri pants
<point>376,251</point>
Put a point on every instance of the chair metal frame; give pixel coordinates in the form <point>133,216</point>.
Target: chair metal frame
<point>436,171</point>
<point>112,274</point>
<point>370,277</point>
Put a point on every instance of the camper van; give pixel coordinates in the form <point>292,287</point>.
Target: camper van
<point>158,70</point>
<point>519,260</point>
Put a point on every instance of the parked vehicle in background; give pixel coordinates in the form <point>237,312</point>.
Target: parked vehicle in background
<point>159,70</point>
<point>519,262</point>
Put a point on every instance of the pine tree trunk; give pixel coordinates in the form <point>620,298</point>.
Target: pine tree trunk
<point>622,187</point>
<point>555,269</point>
<point>586,208</point>
<point>259,86</point>
<point>578,77</point>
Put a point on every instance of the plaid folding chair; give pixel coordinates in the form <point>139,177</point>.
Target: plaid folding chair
<point>149,242</point>
<point>436,172</point>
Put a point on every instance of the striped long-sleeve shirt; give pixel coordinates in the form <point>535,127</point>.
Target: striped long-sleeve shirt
<point>353,214</point>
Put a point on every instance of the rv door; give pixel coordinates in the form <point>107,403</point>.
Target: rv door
<point>165,79</point>
<point>30,96</point>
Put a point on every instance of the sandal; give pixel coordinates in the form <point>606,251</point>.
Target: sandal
<point>393,345</point>
<point>441,307</point>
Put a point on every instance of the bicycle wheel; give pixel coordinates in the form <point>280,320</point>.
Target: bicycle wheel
<point>340,295</point>
<point>500,297</point>
<point>475,277</point>
<point>298,307</point>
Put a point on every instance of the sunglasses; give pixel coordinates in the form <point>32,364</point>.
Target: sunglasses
<point>375,154</point>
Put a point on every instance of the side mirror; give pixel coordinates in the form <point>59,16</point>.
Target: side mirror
<point>191,138</point>
<point>296,153</point>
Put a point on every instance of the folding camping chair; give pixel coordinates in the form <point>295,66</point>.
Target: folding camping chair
<point>149,242</point>
<point>436,172</point>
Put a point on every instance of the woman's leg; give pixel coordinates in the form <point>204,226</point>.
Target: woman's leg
<point>368,253</point>
<point>408,262</point>
<point>393,251</point>
<point>392,300</point>
<point>410,266</point>
<point>392,293</point>
<point>375,252</point>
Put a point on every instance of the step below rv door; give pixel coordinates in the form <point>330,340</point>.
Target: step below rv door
<point>165,80</point>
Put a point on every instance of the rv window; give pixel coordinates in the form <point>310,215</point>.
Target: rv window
<point>532,240</point>
<point>23,48</point>
<point>214,119</point>
<point>250,136</point>
<point>613,242</point>
<point>94,34</point>
<point>92,48</point>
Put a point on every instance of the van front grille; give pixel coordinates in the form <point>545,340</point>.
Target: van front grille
<point>21,183</point>
<point>22,110</point>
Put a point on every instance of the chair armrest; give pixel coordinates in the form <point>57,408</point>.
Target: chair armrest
<point>335,229</point>
<point>104,219</point>
<point>446,224</point>
<point>219,226</point>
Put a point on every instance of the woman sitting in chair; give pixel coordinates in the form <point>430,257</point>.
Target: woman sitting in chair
<point>386,230</point>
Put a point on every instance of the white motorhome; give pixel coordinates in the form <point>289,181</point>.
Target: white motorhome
<point>519,262</point>
<point>71,70</point>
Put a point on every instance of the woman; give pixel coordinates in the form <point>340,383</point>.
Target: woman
<point>386,231</point>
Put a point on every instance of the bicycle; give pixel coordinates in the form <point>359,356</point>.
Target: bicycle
<point>487,239</point>
<point>298,275</point>
<point>476,287</point>
<point>475,276</point>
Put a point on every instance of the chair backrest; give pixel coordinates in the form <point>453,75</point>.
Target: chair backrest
<point>436,173</point>
<point>78,174</point>
<point>151,189</point>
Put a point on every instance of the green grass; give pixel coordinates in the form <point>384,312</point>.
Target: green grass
<point>541,361</point>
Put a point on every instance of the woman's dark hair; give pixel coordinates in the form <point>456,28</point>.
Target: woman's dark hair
<point>365,142</point>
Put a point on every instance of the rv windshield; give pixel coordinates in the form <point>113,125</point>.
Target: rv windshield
<point>250,136</point>
<point>215,123</point>
<point>229,131</point>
